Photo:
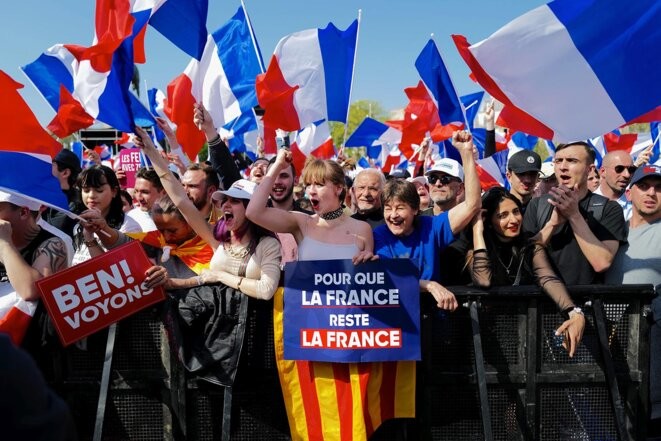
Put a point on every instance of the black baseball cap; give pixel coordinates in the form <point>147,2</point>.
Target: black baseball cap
<point>68,159</point>
<point>525,161</point>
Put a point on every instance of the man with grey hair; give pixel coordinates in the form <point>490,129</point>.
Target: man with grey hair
<point>446,186</point>
<point>366,192</point>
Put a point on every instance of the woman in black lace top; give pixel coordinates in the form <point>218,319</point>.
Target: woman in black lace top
<point>502,256</point>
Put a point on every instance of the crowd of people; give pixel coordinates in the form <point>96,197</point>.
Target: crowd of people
<point>562,222</point>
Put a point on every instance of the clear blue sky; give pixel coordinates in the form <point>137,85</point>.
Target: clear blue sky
<point>392,33</point>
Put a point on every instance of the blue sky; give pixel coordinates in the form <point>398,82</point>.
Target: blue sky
<point>392,33</point>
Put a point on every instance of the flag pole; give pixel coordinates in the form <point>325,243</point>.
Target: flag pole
<point>253,38</point>
<point>353,71</point>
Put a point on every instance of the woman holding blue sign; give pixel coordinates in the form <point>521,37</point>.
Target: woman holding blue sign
<point>421,239</point>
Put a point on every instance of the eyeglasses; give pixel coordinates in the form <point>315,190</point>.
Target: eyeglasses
<point>445,179</point>
<point>620,168</point>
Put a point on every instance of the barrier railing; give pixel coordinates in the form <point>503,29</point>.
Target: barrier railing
<point>493,370</point>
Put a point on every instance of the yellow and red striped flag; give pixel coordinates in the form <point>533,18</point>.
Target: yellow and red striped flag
<point>195,253</point>
<point>340,401</point>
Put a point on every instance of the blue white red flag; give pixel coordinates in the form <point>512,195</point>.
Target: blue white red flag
<point>79,93</point>
<point>471,104</point>
<point>223,80</point>
<point>491,170</point>
<point>26,151</point>
<point>314,140</point>
<point>558,68</point>
<point>656,140</point>
<point>373,133</point>
<point>183,22</point>
<point>522,141</point>
<point>309,78</point>
<point>434,74</point>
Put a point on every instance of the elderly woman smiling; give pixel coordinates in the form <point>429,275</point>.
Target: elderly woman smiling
<point>422,238</point>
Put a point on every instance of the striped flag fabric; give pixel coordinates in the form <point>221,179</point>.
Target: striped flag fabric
<point>491,170</point>
<point>340,401</point>
<point>558,56</point>
<point>437,79</point>
<point>223,80</point>
<point>309,78</point>
<point>314,140</point>
<point>373,133</point>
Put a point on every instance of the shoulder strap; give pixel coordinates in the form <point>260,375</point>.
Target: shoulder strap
<point>544,210</point>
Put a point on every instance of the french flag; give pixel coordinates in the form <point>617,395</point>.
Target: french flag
<point>166,16</point>
<point>372,134</point>
<point>471,104</point>
<point>25,170</point>
<point>613,141</point>
<point>67,78</point>
<point>656,143</point>
<point>309,78</point>
<point>437,79</point>
<point>491,170</point>
<point>223,80</point>
<point>314,140</point>
<point>26,167</point>
<point>559,69</point>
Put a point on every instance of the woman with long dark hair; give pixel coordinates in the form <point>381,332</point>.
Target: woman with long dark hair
<point>101,196</point>
<point>502,256</point>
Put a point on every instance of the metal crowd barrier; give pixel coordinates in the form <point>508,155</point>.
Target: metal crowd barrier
<point>493,370</point>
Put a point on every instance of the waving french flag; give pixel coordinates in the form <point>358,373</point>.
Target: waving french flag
<point>572,69</point>
<point>435,75</point>
<point>491,170</point>
<point>223,80</point>
<point>26,167</point>
<point>373,133</point>
<point>66,76</point>
<point>313,140</point>
<point>309,78</point>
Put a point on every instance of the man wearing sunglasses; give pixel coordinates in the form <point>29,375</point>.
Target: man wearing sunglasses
<point>616,170</point>
<point>446,186</point>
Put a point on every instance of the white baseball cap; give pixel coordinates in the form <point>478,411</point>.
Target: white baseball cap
<point>20,201</point>
<point>240,189</point>
<point>448,166</point>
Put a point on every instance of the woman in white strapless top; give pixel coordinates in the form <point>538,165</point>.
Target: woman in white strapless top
<point>327,234</point>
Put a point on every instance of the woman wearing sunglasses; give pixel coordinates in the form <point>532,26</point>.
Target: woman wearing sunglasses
<point>501,256</point>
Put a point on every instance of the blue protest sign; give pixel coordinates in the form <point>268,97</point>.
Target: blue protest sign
<point>336,311</point>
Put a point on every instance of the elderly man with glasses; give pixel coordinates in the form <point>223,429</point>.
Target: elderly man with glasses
<point>446,186</point>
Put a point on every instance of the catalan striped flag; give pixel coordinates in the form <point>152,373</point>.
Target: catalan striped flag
<point>340,401</point>
<point>195,253</point>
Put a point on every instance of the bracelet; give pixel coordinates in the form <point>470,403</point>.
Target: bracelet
<point>164,174</point>
<point>479,250</point>
<point>91,243</point>
<point>573,310</point>
<point>215,141</point>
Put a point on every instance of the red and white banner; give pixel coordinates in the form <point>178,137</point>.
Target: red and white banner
<point>93,295</point>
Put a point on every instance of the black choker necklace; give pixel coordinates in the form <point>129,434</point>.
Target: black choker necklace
<point>333,214</point>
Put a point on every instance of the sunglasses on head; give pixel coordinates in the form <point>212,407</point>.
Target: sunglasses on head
<point>620,168</point>
<point>445,179</point>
